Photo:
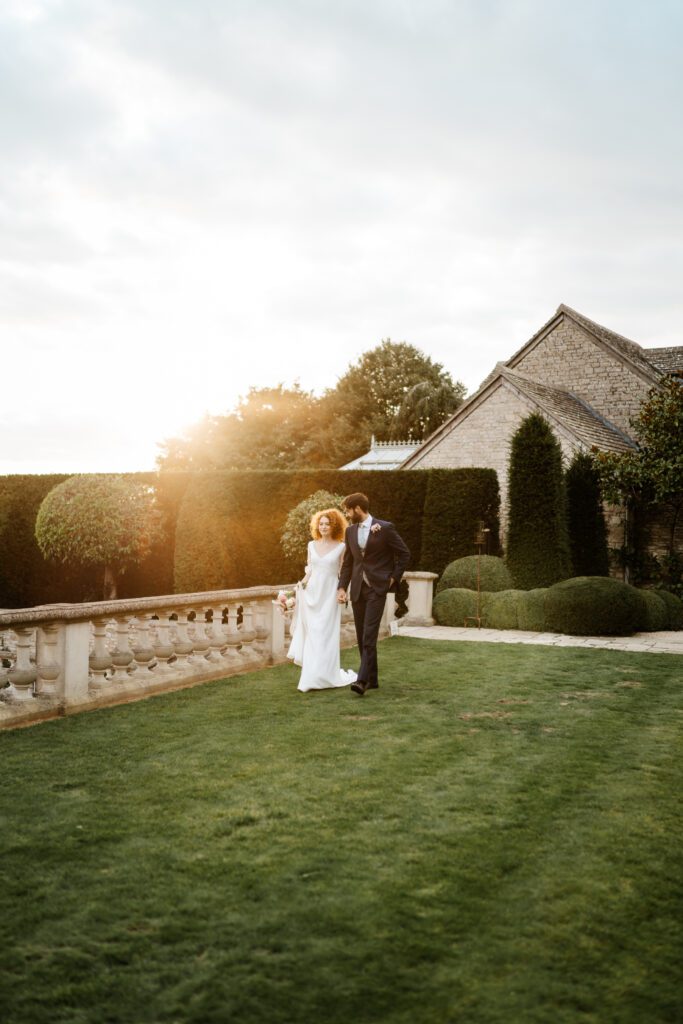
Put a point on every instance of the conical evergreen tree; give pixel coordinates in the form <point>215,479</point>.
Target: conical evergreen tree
<point>537,543</point>
<point>586,519</point>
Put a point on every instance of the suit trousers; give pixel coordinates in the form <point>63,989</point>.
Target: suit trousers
<point>367,616</point>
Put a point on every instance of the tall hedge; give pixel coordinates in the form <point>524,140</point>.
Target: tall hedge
<point>537,542</point>
<point>251,509</point>
<point>457,501</point>
<point>586,519</point>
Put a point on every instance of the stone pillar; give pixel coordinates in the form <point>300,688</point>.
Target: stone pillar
<point>277,634</point>
<point>420,598</point>
<point>76,653</point>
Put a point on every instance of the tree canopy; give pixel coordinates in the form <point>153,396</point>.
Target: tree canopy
<point>393,391</point>
<point>97,519</point>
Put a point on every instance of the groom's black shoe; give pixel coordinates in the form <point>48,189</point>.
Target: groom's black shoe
<point>358,687</point>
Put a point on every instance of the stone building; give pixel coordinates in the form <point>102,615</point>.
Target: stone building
<point>587,381</point>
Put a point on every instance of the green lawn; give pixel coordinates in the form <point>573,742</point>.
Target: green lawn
<point>494,836</point>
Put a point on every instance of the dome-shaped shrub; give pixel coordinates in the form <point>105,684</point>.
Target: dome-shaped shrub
<point>674,607</point>
<point>463,574</point>
<point>500,609</point>
<point>452,607</point>
<point>594,606</point>
<point>531,611</point>
<point>296,532</point>
<point>656,611</point>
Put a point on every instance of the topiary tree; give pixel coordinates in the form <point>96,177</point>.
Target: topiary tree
<point>494,574</point>
<point>586,519</point>
<point>100,520</point>
<point>537,544</point>
<point>451,607</point>
<point>674,607</point>
<point>296,532</point>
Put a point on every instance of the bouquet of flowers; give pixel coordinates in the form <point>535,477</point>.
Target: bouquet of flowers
<point>286,600</point>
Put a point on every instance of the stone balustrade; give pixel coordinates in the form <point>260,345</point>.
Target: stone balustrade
<point>64,658</point>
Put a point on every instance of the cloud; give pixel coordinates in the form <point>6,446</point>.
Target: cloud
<point>197,198</point>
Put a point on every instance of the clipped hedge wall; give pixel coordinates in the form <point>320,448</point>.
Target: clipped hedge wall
<point>500,609</point>
<point>249,509</point>
<point>530,613</point>
<point>457,500</point>
<point>493,574</point>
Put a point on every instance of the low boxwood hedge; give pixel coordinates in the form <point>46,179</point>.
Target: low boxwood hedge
<point>582,606</point>
<point>674,608</point>
<point>462,573</point>
<point>594,606</point>
<point>453,606</point>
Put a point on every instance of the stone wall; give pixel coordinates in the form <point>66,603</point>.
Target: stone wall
<point>568,357</point>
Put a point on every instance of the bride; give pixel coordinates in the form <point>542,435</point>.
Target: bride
<point>315,631</point>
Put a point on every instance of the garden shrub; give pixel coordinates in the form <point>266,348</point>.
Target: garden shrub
<point>296,532</point>
<point>531,611</point>
<point>500,610</point>
<point>494,574</point>
<point>594,606</point>
<point>674,608</point>
<point>537,544</point>
<point>586,519</point>
<point>452,607</point>
<point>656,611</point>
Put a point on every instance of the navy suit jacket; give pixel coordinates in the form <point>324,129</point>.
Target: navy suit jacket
<point>385,557</point>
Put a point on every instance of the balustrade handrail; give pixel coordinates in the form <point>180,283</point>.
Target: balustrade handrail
<point>63,612</point>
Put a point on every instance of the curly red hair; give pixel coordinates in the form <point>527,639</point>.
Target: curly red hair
<point>337,524</point>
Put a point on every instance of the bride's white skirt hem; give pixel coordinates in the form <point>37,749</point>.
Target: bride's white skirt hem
<point>346,677</point>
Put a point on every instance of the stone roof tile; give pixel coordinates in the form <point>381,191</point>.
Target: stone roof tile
<point>668,360</point>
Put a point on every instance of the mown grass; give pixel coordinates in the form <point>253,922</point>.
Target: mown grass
<point>494,836</point>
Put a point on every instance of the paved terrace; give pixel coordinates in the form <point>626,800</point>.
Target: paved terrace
<point>668,642</point>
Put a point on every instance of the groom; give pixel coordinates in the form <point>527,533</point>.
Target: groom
<point>374,561</point>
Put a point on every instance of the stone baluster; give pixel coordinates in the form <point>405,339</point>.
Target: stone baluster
<point>250,656</point>
<point>216,637</point>
<point>48,660</point>
<point>233,654</point>
<point>183,644</point>
<point>122,655</point>
<point>143,652</point>
<point>164,648</point>
<point>23,674</point>
<point>201,639</point>
<point>100,659</point>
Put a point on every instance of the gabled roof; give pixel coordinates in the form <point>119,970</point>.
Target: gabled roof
<point>667,360</point>
<point>625,349</point>
<point>571,413</point>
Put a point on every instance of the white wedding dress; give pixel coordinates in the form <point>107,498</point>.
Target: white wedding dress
<point>315,629</point>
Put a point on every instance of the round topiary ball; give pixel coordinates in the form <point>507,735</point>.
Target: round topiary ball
<point>462,573</point>
<point>530,610</point>
<point>500,609</point>
<point>656,611</point>
<point>452,607</point>
<point>674,609</point>
<point>594,606</point>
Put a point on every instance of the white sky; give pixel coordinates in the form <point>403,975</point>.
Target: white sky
<point>197,197</point>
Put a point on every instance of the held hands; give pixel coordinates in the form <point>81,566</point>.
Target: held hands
<point>341,596</point>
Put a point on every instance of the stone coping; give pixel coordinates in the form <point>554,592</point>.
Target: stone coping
<point>129,606</point>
